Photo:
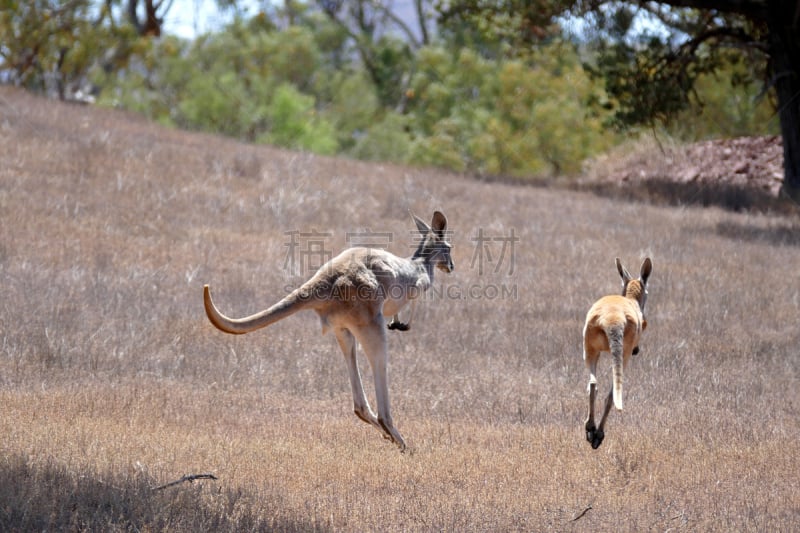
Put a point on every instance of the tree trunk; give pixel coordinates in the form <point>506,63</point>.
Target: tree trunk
<point>785,72</point>
<point>151,25</point>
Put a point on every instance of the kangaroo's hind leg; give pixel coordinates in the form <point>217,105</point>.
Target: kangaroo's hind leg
<point>592,435</point>
<point>373,340</point>
<point>599,433</point>
<point>347,343</point>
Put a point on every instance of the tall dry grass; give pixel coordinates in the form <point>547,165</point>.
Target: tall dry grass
<point>112,382</point>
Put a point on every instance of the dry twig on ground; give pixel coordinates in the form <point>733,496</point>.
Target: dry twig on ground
<point>189,477</point>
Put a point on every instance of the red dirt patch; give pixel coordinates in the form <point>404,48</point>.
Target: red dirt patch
<point>747,162</point>
<point>744,172</point>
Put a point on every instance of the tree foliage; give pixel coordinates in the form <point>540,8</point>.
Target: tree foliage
<point>728,103</point>
<point>511,117</point>
<point>51,46</point>
<point>48,46</point>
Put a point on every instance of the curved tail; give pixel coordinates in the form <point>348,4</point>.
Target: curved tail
<point>237,326</point>
<point>616,335</point>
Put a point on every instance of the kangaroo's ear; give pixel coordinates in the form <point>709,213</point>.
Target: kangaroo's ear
<point>626,277</point>
<point>423,228</point>
<point>647,267</point>
<point>439,222</point>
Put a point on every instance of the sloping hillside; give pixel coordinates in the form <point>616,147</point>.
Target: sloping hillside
<point>112,381</point>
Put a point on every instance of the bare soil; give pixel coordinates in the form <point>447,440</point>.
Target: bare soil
<point>739,173</point>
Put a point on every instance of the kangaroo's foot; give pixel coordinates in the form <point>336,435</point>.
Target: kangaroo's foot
<point>599,435</point>
<point>593,435</point>
<point>399,326</point>
<point>389,432</point>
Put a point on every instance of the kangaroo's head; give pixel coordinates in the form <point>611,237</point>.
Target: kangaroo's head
<point>434,248</point>
<point>636,289</point>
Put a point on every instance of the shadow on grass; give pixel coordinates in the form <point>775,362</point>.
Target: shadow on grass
<point>50,497</point>
<point>783,235</point>
<point>667,192</point>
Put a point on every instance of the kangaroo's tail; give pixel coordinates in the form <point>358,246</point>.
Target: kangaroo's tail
<point>291,304</point>
<point>616,336</point>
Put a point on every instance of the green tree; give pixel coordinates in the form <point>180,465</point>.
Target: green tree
<point>728,104</point>
<point>353,108</point>
<point>49,46</point>
<point>513,117</point>
<point>52,46</point>
<point>248,80</point>
<point>386,140</point>
<point>293,123</point>
<point>384,42</point>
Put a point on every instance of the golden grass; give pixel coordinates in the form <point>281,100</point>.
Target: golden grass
<point>112,382</point>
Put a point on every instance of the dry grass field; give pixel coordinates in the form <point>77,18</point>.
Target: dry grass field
<point>113,383</point>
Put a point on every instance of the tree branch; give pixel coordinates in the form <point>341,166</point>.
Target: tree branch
<point>754,9</point>
<point>737,34</point>
<point>423,25</point>
<point>331,9</point>
<point>400,24</point>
